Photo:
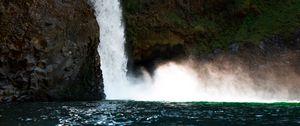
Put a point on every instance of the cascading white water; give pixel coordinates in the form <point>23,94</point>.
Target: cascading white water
<point>111,49</point>
<point>171,81</point>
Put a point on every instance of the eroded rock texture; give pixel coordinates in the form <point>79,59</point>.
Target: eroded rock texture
<point>158,30</point>
<point>48,51</point>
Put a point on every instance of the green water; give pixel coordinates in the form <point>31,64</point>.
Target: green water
<point>149,113</point>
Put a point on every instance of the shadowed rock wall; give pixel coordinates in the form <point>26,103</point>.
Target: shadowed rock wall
<point>48,51</point>
<point>158,30</point>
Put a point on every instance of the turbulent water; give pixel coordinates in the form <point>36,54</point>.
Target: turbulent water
<point>149,113</point>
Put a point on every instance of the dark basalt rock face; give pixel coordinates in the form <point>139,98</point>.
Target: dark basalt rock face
<point>48,51</point>
<point>163,30</point>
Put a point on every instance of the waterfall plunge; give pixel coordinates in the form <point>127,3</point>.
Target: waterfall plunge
<point>171,81</point>
<point>111,49</point>
<point>114,63</point>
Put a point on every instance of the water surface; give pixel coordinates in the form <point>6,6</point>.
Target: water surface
<point>149,113</point>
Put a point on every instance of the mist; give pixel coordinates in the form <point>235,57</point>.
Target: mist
<point>254,74</point>
<point>220,80</point>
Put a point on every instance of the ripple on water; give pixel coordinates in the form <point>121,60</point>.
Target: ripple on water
<point>157,113</point>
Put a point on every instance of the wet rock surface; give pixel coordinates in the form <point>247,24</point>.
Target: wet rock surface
<point>163,30</point>
<point>48,51</point>
<point>250,31</point>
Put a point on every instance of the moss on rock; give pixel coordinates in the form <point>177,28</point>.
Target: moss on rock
<point>200,26</point>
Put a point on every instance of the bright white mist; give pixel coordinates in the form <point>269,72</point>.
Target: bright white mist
<point>171,81</point>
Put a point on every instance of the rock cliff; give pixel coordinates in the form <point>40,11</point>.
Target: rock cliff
<point>48,51</point>
<point>158,30</point>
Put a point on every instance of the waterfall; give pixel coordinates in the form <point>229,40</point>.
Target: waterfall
<point>112,47</point>
<point>173,81</point>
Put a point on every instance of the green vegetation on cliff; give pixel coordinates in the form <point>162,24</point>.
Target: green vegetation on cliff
<point>200,26</point>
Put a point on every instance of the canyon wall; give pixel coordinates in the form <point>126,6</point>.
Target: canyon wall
<point>158,30</point>
<point>48,51</point>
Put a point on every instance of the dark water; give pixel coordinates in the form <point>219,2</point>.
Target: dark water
<point>149,113</point>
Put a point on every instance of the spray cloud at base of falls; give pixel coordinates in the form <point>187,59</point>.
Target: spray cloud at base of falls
<point>176,81</point>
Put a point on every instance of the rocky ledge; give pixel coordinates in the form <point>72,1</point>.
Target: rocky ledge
<point>48,51</point>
